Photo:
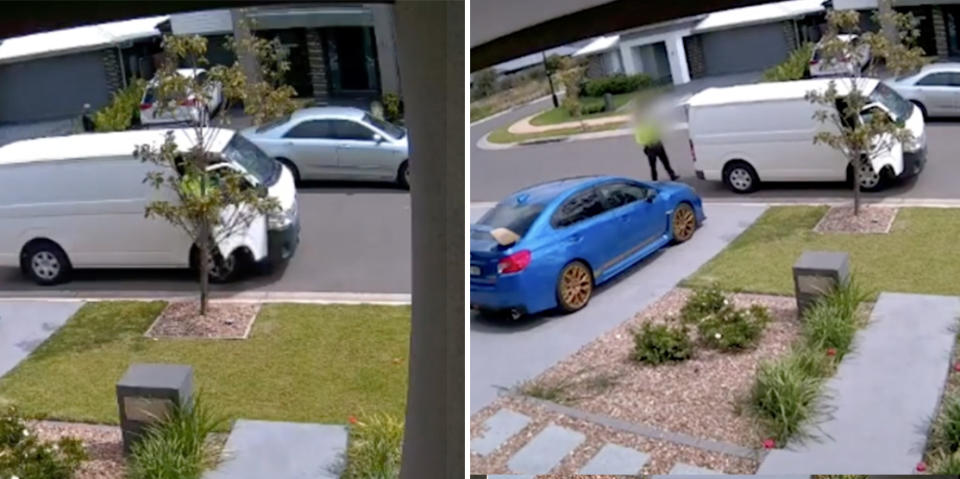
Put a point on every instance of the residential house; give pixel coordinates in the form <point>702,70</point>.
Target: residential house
<point>342,52</point>
<point>51,75</point>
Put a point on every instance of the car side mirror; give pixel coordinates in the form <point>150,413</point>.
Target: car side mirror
<point>651,195</point>
<point>377,138</point>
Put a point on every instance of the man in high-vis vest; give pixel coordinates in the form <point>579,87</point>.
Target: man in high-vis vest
<point>647,135</point>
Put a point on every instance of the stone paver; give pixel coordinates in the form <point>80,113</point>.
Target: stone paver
<point>282,450</point>
<point>497,429</point>
<point>883,394</point>
<point>614,459</point>
<point>545,450</point>
<point>680,469</point>
<point>24,325</point>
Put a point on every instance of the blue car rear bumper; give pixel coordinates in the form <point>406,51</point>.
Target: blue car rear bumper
<point>509,292</point>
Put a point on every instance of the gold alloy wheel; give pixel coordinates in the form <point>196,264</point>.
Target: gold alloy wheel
<point>684,223</point>
<point>576,286</point>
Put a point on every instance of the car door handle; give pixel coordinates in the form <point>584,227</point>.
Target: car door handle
<point>624,218</point>
<point>575,238</point>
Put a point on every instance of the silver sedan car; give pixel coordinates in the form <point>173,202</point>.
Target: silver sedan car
<point>935,89</point>
<point>336,143</point>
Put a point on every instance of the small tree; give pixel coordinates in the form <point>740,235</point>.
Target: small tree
<point>214,199</point>
<point>571,75</point>
<point>485,82</point>
<point>860,129</point>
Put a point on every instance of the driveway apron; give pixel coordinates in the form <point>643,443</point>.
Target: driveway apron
<point>24,325</point>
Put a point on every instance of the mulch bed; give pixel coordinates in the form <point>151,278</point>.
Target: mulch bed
<point>663,454</point>
<point>871,220</point>
<point>224,320</point>
<point>104,446</point>
<point>700,397</point>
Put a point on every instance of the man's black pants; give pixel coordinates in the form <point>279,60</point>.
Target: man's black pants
<point>653,152</point>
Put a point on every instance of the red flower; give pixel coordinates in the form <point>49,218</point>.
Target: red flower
<point>352,419</point>
<point>956,367</point>
<point>831,352</point>
<point>921,467</point>
<point>769,444</point>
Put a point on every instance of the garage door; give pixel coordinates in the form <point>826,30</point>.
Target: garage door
<point>745,49</point>
<point>52,88</point>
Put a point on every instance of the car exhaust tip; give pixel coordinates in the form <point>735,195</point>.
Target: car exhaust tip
<point>516,314</point>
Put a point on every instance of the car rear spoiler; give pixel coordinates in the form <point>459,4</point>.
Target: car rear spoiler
<point>504,236</point>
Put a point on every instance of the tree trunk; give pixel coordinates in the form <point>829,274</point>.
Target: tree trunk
<point>204,268</point>
<point>856,186</point>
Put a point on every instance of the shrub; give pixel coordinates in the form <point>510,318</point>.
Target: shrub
<point>177,446</point>
<point>123,109</point>
<point>616,84</point>
<point>591,108</point>
<point>832,322</point>
<point>793,68</point>
<point>733,329</point>
<point>785,394</point>
<point>945,463</point>
<point>702,303</point>
<point>657,344</point>
<point>485,83</point>
<point>23,455</point>
<point>376,444</point>
<point>392,107</point>
<point>946,432</point>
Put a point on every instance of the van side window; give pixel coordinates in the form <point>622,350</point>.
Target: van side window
<point>581,206</point>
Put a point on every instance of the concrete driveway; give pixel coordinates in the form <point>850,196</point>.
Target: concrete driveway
<point>503,353</point>
<point>24,325</point>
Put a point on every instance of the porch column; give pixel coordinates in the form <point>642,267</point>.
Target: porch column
<point>430,43</point>
<point>939,32</point>
<point>677,56</point>
<point>318,68</point>
<point>386,35</point>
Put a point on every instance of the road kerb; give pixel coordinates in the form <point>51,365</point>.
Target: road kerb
<point>389,299</point>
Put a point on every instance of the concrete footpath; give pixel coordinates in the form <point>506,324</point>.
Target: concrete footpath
<point>884,394</point>
<point>24,325</point>
<point>503,354</point>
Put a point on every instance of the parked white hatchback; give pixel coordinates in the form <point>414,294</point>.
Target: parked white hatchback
<point>336,143</point>
<point>187,110</point>
<point>78,202</point>
<point>935,89</point>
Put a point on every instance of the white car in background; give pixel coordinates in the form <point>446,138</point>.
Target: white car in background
<point>187,111</point>
<point>336,143</point>
<point>821,67</point>
<point>935,89</point>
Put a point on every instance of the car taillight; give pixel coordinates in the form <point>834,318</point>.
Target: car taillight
<point>814,61</point>
<point>145,106</point>
<point>514,263</point>
<point>189,102</point>
<point>693,154</point>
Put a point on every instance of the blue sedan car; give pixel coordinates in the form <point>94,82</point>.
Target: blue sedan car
<point>547,246</point>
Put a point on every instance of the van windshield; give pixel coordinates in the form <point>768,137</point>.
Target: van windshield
<point>886,96</point>
<point>244,153</point>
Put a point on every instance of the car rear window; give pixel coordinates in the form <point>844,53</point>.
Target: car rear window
<point>514,216</point>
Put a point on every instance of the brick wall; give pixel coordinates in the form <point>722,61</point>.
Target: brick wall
<point>318,69</point>
<point>695,61</point>
<point>112,69</point>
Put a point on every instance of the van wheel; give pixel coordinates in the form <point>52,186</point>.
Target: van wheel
<point>219,270</point>
<point>45,263</point>
<point>923,109</point>
<point>740,177</point>
<point>293,169</point>
<point>872,180</point>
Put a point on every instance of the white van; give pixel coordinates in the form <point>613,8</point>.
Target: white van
<point>746,134</point>
<point>78,202</point>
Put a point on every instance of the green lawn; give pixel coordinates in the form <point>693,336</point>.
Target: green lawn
<point>301,363</point>
<point>502,135</point>
<point>918,255</point>
<point>561,115</point>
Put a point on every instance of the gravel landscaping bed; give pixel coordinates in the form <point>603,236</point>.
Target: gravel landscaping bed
<point>224,320</point>
<point>872,219</point>
<point>103,444</point>
<point>700,397</point>
<point>663,455</point>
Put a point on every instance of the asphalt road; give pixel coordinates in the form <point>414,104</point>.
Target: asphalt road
<point>495,174</point>
<point>354,238</point>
